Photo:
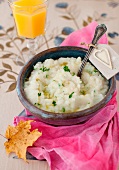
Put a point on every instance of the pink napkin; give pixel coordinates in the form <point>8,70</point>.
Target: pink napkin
<point>93,145</point>
<point>84,35</point>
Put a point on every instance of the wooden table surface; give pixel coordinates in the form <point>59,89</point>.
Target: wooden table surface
<point>63,17</point>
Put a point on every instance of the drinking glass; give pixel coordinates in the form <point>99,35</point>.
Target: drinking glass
<point>30,19</point>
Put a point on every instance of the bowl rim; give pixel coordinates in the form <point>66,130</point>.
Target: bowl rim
<point>52,115</point>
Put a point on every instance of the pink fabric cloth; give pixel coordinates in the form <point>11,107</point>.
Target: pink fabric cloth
<point>84,35</point>
<point>93,145</point>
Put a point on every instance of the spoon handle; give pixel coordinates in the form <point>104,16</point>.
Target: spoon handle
<point>99,31</point>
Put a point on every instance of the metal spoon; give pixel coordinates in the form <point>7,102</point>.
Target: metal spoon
<point>99,32</point>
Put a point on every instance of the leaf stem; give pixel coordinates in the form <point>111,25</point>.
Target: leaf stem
<point>75,22</point>
<point>3,136</point>
<point>49,40</point>
<point>15,45</point>
<point>10,52</point>
<point>46,42</point>
<point>7,82</point>
<point>13,72</point>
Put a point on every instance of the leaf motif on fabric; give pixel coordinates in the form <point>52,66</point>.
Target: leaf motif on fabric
<point>1,47</point>
<point>20,63</point>
<point>1,80</point>
<point>20,39</point>
<point>8,44</point>
<point>67,30</point>
<point>11,77</point>
<point>6,56</point>
<point>66,17</point>
<point>7,66</point>
<point>110,43</point>
<point>25,49</point>
<point>2,72</point>
<point>62,5</point>
<point>85,23</point>
<point>11,87</point>
<point>1,34</point>
<point>10,29</point>
<point>90,19</point>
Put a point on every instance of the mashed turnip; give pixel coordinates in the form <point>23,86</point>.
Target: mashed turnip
<point>54,86</point>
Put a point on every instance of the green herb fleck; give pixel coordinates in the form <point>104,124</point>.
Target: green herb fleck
<point>44,69</point>
<point>95,71</point>
<point>37,104</point>
<point>89,103</point>
<point>63,109</point>
<point>70,96</point>
<point>94,91</point>
<point>73,74</point>
<point>47,76</point>
<point>66,68</point>
<point>54,103</point>
<point>39,94</point>
<point>59,84</point>
<point>62,84</point>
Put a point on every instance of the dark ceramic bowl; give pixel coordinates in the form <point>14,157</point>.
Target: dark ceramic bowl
<point>59,118</point>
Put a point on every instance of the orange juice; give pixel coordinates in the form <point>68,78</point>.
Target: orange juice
<point>30,17</point>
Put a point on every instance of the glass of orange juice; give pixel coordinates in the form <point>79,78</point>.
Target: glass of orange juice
<point>30,19</point>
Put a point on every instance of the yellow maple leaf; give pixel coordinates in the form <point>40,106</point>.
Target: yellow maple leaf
<point>20,137</point>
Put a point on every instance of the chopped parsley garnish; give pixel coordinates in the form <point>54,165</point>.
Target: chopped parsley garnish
<point>94,91</point>
<point>37,104</point>
<point>66,68</point>
<point>44,69</point>
<point>70,96</point>
<point>59,84</point>
<point>95,71</point>
<point>47,76</point>
<point>39,94</point>
<point>73,74</point>
<point>63,109</point>
<point>54,103</point>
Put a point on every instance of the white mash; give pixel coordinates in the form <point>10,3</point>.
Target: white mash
<point>54,86</point>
